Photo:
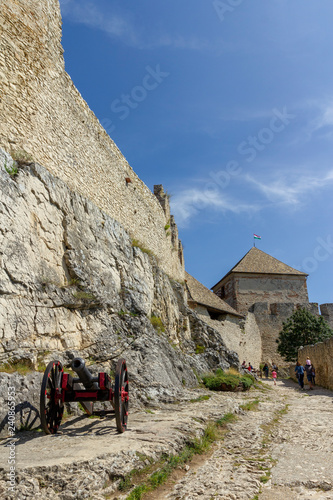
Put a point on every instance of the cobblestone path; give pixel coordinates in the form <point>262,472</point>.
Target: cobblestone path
<point>280,451</point>
<point>279,448</point>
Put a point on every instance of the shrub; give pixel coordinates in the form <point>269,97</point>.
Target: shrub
<point>222,381</point>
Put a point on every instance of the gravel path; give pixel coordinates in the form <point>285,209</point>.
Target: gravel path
<point>280,448</point>
<point>282,451</point>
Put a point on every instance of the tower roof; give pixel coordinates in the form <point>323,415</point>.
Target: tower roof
<point>198,293</point>
<point>258,262</point>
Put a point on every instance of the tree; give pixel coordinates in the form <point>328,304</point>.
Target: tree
<point>301,329</point>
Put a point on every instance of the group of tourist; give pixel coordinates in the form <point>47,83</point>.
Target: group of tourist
<point>310,371</point>
<point>300,371</point>
<point>248,367</point>
<point>265,369</point>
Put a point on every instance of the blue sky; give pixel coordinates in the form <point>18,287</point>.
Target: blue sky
<point>229,105</point>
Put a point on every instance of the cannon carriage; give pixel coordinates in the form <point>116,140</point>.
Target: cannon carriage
<point>59,388</point>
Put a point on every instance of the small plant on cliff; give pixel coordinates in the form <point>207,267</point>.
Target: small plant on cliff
<point>301,329</point>
<point>84,296</point>
<point>12,171</point>
<point>137,244</point>
<point>157,324</point>
<point>200,349</point>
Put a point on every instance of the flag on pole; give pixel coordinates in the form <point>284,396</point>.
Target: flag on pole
<point>256,237</point>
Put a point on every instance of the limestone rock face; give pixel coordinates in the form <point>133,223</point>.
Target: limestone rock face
<point>71,283</point>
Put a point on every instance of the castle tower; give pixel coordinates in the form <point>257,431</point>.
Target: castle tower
<point>268,288</point>
<point>259,277</point>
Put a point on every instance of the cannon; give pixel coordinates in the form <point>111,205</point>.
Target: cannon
<point>59,388</point>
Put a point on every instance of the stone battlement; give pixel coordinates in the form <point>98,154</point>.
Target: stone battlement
<point>43,113</point>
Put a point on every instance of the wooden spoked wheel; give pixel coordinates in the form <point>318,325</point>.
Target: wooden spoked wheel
<point>121,395</point>
<point>51,406</point>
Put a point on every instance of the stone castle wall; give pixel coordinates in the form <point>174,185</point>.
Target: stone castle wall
<point>321,356</point>
<point>326,311</point>
<point>242,291</point>
<point>43,113</point>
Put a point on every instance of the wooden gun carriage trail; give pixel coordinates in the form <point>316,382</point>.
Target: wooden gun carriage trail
<point>59,388</point>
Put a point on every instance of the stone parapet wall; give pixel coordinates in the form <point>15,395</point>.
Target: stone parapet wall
<point>43,113</point>
<point>321,356</point>
<point>270,289</point>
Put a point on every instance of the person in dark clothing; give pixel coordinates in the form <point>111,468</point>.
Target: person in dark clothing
<point>308,370</point>
<point>313,375</point>
<point>266,370</point>
<point>299,370</point>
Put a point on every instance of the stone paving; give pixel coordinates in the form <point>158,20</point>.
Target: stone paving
<point>282,451</point>
<point>278,449</point>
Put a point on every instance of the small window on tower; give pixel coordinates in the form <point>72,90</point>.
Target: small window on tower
<point>222,292</point>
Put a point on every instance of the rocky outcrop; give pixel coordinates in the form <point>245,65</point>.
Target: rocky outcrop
<point>73,282</point>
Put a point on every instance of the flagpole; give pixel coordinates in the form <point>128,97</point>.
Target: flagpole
<point>255,237</point>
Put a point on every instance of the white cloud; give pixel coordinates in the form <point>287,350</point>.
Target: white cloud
<point>87,13</point>
<point>324,123</point>
<point>188,203</point>
<point>320,122</point>
<point>284,190</point>
<point>281,191</point>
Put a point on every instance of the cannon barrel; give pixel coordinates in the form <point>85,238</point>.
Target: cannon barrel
<point>86,378</point>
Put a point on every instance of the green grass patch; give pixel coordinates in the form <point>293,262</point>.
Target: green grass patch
<point>264,479</point>
<point>222,381</point>
<point>21,367</point>
<point>127,313</point>
<point>200,398</point>
<point>228,418</point>
<point>251,405</point>
<point>157,324</point>
<point>199,349</point>
<point>12,171</point>
<point>137,244</point>
<point>149,481</point>
<point>84,295</point>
